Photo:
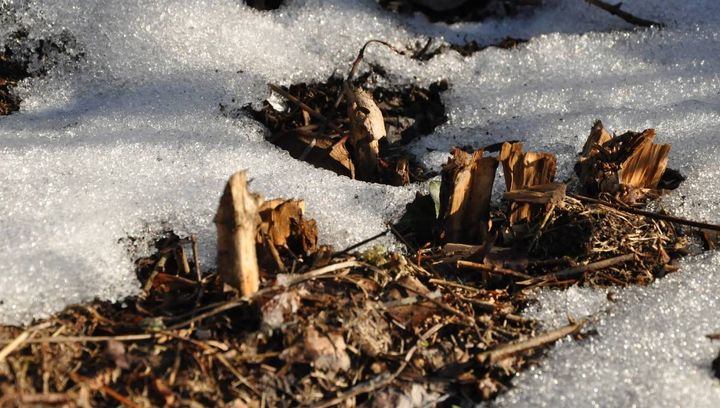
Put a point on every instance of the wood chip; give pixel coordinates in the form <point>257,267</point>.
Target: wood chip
<point>236,221</point>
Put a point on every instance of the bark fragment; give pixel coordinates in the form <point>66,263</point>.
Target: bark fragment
<point>465,193</point>
<point>236,221</point>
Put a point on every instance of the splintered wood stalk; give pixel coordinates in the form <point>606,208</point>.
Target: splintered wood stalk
<point>523,170</point>
<point>367,127</point>
<point>465,193</point>
<point>645,167</point>
<point>236,221</point>
<point>629,166</point>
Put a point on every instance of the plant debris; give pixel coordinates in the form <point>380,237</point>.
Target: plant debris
<point>454,11</point>
<point>428,51</point>
<point>544,235</point>
<point>313,127</point>
<point>320,327</point>
<point>615,9</point>
<point>371,329</point>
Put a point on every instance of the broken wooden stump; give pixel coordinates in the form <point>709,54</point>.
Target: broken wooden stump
<point>523,170</point>
<point>253,234</point>
<point>465,193</point>
<point>236,221</point>
<point>629,167</point>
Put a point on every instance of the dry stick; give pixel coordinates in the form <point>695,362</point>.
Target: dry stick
<point>81,379</point>
<point>492,269</point>
<point>212,312</point>
<point>88,339</point>
<point>652,215</point>
<point>538,234</point>
<point>363,242</point>
<point>577,271</point>
<point>20,340</point>
<point>493,356</point>
<point>616,11</point>
<point>52,398</point>
<point>312,112</point>
<point>402,239</point>
<point>196,256</point>
<point>382,379</point>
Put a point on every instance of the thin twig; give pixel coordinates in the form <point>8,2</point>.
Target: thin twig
<point>363,242</point>
<point>89,339</point>
<point>20,340</point>
<point>616,11</point>
<point>577,271</point>
<point>652,215</point>
<point>492,269</point>
<point>402,239</point>
<point>499,353</point>
<point>356,63</point>
<point>196,256</point>
<point>361,54</point>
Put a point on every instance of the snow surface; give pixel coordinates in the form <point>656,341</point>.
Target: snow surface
<point>131,141</point>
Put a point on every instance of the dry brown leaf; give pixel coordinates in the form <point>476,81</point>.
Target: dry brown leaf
<point>283,223</point>
<point>320,152</point>
<point>326,351</point>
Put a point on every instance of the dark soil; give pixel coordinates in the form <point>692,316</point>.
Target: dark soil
<point>21,52</point>
<point>264,4</point>
<point>10,73</point>
<point>470,10</point>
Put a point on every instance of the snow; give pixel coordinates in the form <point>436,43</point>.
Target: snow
<point>650,349</point>
<point>130,141</point>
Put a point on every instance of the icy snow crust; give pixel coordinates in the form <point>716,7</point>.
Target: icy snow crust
<point>131,141</point>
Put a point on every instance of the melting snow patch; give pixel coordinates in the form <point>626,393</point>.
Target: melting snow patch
<point>128,139</point>
<point>650,349</point>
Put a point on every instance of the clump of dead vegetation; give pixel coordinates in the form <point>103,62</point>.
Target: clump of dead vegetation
<point>282,322</point>
<point>351,128</point>
<point>543,234</point>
